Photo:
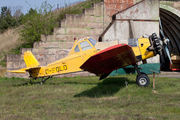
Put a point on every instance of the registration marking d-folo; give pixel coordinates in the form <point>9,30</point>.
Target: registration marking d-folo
<point>56,69</point>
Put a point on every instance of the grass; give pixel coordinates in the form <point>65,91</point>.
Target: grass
<point>8,41</point>
<point>88,98</point>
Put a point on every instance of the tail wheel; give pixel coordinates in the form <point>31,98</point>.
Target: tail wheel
<point>143,80</point>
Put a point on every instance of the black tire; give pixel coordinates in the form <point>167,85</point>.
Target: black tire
<point>142,80</point>
<point>142,73</point>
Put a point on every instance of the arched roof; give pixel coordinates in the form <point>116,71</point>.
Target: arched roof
<point>170,19</point>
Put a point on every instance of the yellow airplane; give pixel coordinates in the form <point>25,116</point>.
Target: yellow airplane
<point>100,58</point>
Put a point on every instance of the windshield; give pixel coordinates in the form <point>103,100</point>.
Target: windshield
<point>92,41</point>
<point>85,46</point>
<point>76,49</point>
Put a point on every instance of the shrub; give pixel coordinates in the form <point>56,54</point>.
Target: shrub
<point>37,22</point>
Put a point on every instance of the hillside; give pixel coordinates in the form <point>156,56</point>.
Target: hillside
<point>10,40</point>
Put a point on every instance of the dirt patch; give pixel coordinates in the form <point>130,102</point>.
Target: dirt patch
<point>169,76</point>
<point>2,72</point>
<point>109,98</point>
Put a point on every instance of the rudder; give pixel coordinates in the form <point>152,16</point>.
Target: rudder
<point>30,60</point>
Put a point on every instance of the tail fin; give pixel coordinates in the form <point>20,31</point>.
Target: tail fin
<point>30,60</point>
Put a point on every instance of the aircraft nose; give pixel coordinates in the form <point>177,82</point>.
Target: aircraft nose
<point>157,43</point>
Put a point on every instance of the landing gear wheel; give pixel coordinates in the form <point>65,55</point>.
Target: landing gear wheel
<point>143,80</point>
<point>142,73</point>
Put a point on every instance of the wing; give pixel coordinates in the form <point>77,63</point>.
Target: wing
<point>109,59</point>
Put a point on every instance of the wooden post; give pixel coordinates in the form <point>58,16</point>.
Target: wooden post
<point>153,80</point>
<point>153,77</point>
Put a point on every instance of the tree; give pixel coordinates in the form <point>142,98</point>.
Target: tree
<point>5,11</point>
<point>16,11</point>
<point>37,22</point>
<point>6,19</point>
<point>21,17</point>
<point>32,12</point>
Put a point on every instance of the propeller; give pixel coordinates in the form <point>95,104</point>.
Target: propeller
<point>165,41</point>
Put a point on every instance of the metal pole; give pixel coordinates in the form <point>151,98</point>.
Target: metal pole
<point>58,6</point>
<point>153,80</point>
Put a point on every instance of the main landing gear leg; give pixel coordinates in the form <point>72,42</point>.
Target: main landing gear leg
<point>142,79</point>
<point>44,80</point>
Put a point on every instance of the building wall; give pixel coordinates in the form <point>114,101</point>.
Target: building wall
<point>144,17</point>
<point>114,6</point>
<point>139,19</point>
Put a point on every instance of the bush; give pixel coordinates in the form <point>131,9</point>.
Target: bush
<point>42,21</point>
<point>37,22</point>
<point>6,19</point>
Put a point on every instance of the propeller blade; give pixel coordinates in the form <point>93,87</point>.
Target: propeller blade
<point>161,30</point>
<point>160,24</point>
<point>166,41</point>
<point>168,54</point>
<point>162,34</point>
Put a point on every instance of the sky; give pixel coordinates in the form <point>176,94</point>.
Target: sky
<point>27,4</point>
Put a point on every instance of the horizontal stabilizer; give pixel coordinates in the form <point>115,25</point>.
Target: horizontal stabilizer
<point>24,70</point>
<point>18,71</point>
<point>30,61</point>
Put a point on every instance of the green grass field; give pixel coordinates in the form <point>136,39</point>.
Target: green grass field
<point>88,98</point>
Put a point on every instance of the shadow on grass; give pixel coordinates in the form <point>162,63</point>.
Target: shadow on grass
<point>108,87</point>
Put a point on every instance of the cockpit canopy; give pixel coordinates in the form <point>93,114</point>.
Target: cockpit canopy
<point>83,45</point>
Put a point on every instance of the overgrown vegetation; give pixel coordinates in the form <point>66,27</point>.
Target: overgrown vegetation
<point>3,63</point>
<point>88,98</point>
<point>7,20</point>
<point>76,9</point>
<point>40,21</point>
<point>43,20</point>
<point>37,22</point>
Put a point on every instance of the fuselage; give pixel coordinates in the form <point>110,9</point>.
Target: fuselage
<point>84,48</point>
